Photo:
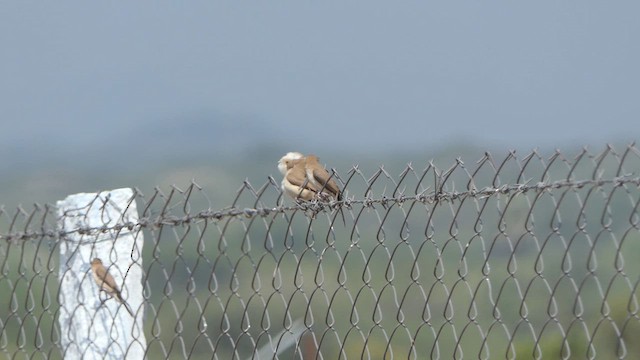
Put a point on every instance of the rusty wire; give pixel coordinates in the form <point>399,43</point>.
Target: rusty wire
<point>530,256</point>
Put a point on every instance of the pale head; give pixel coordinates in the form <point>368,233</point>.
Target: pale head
<point>286,162</point>
<point>96,261</point>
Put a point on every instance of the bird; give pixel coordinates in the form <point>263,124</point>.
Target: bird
<point>106,283</point>
<point>305,179</point>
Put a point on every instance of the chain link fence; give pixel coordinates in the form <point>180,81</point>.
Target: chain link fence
<point>512,257</point>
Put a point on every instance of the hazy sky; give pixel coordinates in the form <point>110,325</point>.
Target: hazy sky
<point>83,75</point>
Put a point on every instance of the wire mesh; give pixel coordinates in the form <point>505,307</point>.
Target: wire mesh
<point>532,257</point>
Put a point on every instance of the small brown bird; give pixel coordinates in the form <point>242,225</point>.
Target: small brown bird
<point>305,179</point>
<point>106,283</point>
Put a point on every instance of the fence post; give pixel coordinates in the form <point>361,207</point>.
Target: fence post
<point>93,326</point>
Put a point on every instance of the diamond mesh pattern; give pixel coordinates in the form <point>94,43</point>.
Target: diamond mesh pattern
<point>521,257</point>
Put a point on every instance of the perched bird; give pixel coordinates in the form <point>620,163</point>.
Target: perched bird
<point>106,283</point>
<point>305,179</point>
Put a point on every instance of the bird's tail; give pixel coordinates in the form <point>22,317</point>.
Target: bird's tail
<point>128,308</point>
<point>344,222</point>
<point>340,197</point>
<point>125,304</point>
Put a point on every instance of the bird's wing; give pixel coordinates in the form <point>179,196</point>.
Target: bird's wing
<point>297,176</point>
<point>323,178</point>
<point>101,273</point>
<point>106,281</point>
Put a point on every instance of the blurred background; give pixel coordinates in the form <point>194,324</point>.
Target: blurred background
<point>97,96</point>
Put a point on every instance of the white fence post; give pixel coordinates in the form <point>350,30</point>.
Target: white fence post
<point>93,326</point>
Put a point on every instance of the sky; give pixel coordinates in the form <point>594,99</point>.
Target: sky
<point>88,80</point>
